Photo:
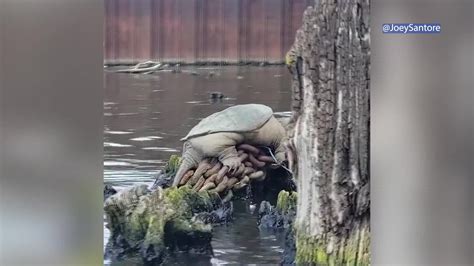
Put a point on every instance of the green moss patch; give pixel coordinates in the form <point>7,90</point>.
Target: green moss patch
<point>286,201</point>
<point>172,165</point>
<point>313,250</point>
<point>154,221</point>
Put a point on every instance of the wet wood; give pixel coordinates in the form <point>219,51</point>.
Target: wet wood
<point>330,62</point>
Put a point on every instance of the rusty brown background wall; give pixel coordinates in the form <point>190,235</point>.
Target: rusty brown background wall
<point>200,30</point>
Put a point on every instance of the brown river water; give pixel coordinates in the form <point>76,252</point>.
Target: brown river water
<point>146,115</point>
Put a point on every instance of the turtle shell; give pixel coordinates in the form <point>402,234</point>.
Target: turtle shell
<point>238,118</point>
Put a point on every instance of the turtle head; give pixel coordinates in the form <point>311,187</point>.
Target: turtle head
<point>189,160</point>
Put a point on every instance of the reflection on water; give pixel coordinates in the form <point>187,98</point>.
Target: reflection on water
<point>146,115</point>
<point>243,243</point>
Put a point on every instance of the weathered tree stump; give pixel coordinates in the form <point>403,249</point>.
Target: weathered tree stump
<point>156,223</point>
<point>330,62</point>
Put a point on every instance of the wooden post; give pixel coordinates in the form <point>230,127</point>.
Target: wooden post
<point>330,61</point>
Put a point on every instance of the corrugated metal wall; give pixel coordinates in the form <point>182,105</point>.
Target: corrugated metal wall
<point>200,30</point>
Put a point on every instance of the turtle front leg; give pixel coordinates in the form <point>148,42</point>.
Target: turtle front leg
<point>280,153</point>
<point>230,157</point>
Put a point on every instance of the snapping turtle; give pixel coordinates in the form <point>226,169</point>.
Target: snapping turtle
<point>218,134</point>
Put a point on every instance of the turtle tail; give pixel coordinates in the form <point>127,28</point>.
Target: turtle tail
<point>188,162</point>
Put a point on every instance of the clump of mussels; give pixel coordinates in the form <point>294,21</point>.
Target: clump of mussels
<point>211,175</point>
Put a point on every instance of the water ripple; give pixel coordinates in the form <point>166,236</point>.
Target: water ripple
<point>160,149</point>
<point>111,144</point>
<point>147,138</point>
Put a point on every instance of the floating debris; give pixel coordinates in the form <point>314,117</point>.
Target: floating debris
<point>176,69</point>
<point>216,95</point>
<point>211,74</point>
<point>147,67</point>
<point>127,114</point>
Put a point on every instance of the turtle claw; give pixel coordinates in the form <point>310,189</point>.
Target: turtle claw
<point>230,158</point>
<point>232,163</point>
<point>234,171</point>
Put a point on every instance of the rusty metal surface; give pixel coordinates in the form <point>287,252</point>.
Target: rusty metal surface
<point>200,30</point>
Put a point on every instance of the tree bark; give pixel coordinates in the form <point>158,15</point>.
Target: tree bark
<point>330,62</point>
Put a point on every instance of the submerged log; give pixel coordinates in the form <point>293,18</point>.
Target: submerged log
<point>330,64</point>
